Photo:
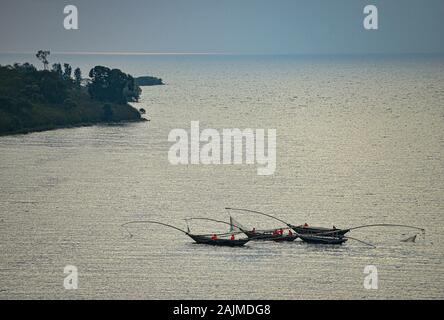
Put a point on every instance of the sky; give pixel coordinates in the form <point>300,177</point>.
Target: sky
<point>223,26</point>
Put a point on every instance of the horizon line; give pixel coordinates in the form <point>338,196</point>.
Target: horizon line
<point>129,53</point>
<point>146,53</point>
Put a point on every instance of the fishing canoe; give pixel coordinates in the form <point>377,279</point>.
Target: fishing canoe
<point>322,239</point>
<point>264,235</point>
<point>200,239</point>
<point>326,232</point>
<point>218,242</point>
<point>269,236</point>
<point>284,238</point>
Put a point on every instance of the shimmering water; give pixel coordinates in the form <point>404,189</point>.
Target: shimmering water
<point>359,140</point>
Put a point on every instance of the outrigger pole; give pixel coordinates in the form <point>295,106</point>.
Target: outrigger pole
<point>327,233</point>
<point>168,225</point>
<point>258,212</point>
<point>155,222</point>
<point>201,239</point>
<point>387,225</point>
<point>230,224</point>
<point>367,243</point>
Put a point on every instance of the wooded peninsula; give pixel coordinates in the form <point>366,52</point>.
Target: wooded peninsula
<point>36,100</point>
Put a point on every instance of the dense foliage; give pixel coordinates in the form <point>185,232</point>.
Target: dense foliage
<point>148,81</point>
<point>32,99</point>
<point>112,85</point>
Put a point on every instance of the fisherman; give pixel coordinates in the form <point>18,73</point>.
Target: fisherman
<point>290,233</point>
<point>281,232</point>
<point>232,237</point>
<point>214,237</point>
<point>254,230</point>
<point>305,225</point>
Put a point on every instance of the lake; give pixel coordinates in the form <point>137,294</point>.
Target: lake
<point>359,141</point>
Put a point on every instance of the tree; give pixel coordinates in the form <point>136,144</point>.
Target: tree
<point>25,67</point>
<point>67,71</point>
<point>107,112</point>
<point>77,77</point>
<point>57,68</point>
<point>112,86</point>
<point>42,55</point>
<point>131,91</point>
<point>98,86</point>
<point>52,88</point>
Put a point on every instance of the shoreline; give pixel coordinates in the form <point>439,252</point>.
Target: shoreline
<point>26,131</point>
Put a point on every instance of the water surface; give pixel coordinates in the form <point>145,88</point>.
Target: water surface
<point>359,140</point>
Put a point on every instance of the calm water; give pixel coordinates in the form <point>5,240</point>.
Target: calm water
<point>359,140</point>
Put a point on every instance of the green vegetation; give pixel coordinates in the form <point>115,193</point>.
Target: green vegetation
<point>112,86</point>
<point>148,81</point>
<point>35,100</point>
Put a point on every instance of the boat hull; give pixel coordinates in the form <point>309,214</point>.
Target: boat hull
<point>322,240</point>
<point>320,230</point>
<point>269,236</point>
<point>286,238</point>
<point>218,242</point>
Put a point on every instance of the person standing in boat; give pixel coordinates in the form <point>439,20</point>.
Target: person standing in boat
<point>290,233</point>
<point>214,237</point>
<point>232,237</point>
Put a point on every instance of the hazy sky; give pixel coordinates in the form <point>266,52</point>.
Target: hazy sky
<point>223,26</point>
